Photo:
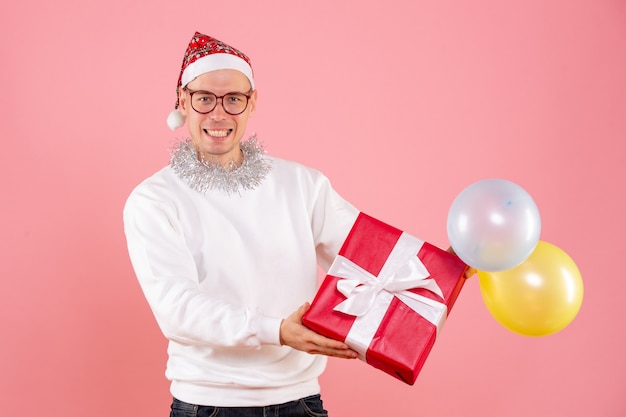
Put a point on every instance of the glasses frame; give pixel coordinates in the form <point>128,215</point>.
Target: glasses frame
<point>192,92</point>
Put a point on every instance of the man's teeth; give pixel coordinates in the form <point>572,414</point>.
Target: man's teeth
<point>217,133</point>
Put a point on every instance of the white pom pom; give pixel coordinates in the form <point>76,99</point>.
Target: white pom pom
<point>175,119</point>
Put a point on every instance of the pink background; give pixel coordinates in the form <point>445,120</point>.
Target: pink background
<point>533,92</point>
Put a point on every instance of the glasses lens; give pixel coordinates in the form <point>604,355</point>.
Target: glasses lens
<point>203,101</point>
<point>235,103</point>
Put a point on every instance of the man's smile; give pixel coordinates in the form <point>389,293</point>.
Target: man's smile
<point>218,133</point>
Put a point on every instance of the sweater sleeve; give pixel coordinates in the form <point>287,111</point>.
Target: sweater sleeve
<point>332,219</point>
<point>168,277</point>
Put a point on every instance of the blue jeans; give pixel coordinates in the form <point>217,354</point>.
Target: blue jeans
<point>304,407</point>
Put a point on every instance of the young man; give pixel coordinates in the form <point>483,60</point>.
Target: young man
<point>225,242</point>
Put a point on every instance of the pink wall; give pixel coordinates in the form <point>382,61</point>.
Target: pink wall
<point>533,91</point>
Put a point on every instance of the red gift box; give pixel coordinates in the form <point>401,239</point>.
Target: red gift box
<point>386,295</point>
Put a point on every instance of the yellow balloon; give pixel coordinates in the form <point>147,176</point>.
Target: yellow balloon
<point>537,298</point>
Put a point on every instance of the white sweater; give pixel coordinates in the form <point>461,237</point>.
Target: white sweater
<point>220,272</point>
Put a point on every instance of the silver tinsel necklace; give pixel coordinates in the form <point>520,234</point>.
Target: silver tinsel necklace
<point>204,176</point>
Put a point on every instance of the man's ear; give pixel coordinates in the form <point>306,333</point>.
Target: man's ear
<point>252,102</point>
<point>183,105</point>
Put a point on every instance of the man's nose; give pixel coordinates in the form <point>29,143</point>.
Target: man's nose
<point>219,112</point>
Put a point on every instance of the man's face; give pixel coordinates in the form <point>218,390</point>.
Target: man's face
<point>217,134</point>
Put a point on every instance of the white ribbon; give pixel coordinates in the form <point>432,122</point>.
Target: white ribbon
<point>368,297</point>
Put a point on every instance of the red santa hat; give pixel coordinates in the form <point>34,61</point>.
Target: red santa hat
<point>205,54</point>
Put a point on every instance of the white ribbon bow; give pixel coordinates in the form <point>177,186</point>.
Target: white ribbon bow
<point>368,297</point>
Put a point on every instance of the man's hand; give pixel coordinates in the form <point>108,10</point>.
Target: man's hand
<point>469,271</point>
<point>293,333</point>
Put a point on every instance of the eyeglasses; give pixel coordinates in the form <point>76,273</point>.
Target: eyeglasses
<point>205,101</point>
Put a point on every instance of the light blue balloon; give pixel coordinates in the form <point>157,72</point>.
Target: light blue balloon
<point>493,225</point>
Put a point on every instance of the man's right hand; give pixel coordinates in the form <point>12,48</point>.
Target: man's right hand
<point>293,333</point>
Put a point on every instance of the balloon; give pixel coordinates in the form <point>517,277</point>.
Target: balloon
<point>537,298</point>
<point>493,225</point>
